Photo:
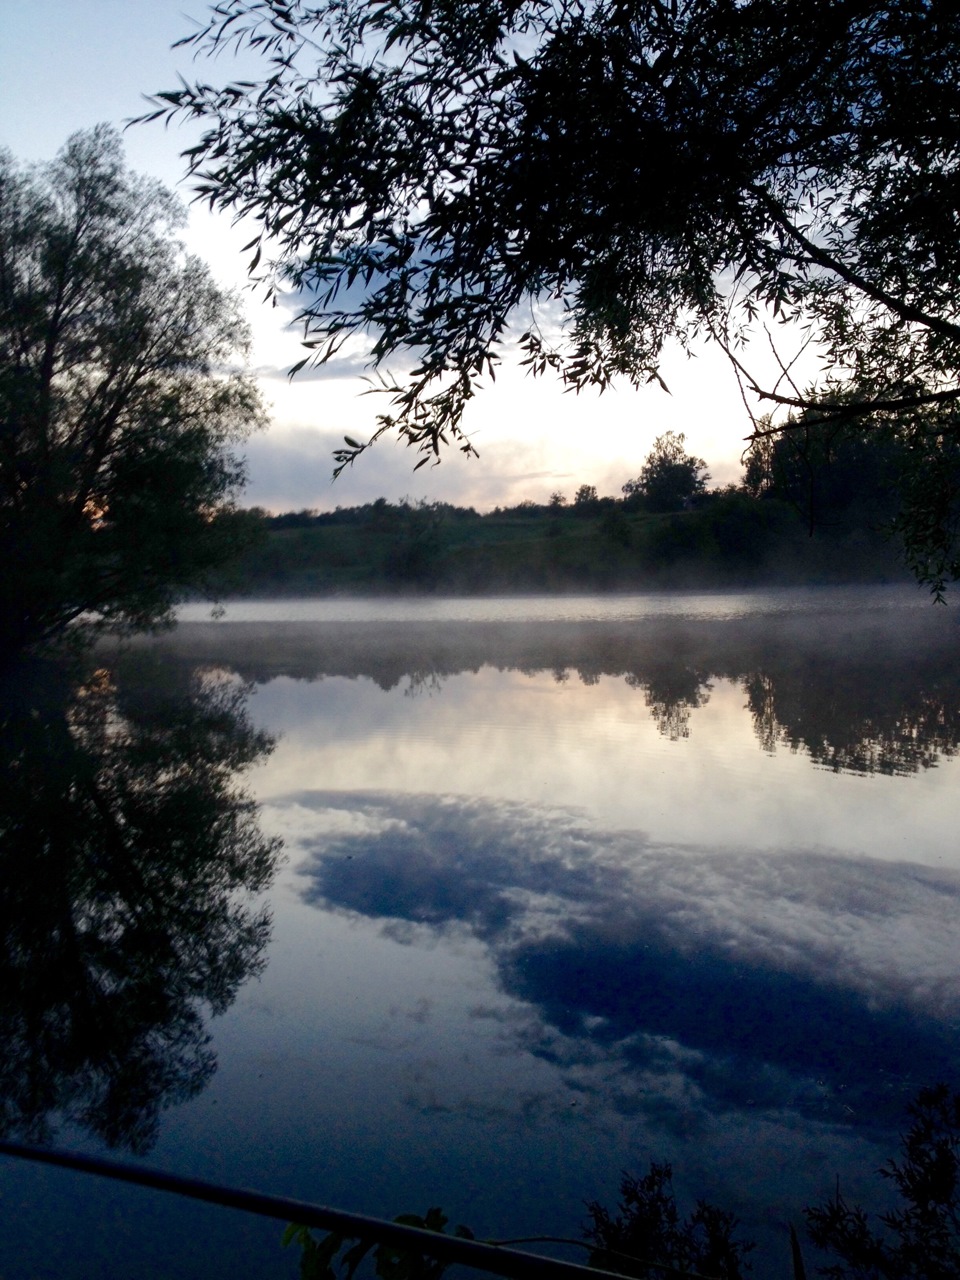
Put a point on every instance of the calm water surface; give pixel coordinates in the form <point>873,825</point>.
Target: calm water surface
<point>568,885</point>
<point>552,609</point>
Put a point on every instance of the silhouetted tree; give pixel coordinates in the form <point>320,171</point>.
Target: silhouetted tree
<point>648,1233</point>
<point>669,477</point>
<point>834,474</point>
<point>921,1239</point>
<point>664,171</point>
<point>117,403</point>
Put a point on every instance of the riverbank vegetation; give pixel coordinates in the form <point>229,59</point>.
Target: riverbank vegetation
<point>808,510</point>
<point>647,1238</point>
<point>730,539</point>
<point>121,398</point>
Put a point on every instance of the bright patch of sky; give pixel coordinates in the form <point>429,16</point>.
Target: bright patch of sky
<point>70,64</point>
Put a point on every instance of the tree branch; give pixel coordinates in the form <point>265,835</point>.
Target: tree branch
<point>854,409</point>
<point>906,310</point>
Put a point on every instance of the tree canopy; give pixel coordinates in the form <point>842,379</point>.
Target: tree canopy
<point>670,476</point>
<point>610,176</point>
<point>118,402</point>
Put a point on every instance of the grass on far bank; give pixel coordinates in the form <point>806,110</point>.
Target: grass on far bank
<point>728,540</point>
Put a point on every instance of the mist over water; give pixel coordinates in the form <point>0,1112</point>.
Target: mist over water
<point>563,608</point>
<point>570,888</point>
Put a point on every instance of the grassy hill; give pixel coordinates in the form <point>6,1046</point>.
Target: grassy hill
<point>728,539</point>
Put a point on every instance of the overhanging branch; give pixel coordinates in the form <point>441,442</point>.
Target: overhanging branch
<point>838,411</point>
<point>906,310</point>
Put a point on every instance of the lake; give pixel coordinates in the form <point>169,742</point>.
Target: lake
<point>567,885</point>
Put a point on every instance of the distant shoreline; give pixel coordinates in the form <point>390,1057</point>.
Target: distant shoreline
<point>731,542</point>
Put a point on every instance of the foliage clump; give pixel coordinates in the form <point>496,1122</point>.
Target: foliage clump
<point>670,477</point>
<point>318,1258</point>
<point>920,1239</point>
<point>624,176</point>
<point>648,1236</point>
<point>120,400</point>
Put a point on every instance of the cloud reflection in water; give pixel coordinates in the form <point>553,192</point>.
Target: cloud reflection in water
<point>710,981</point>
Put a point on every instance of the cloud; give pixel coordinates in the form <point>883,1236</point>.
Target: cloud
<point>352,365</point>
<point>291,468</point>
<point>800,981</point>
<point>446,863</point>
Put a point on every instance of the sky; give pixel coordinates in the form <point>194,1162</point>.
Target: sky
<point>70,64</point>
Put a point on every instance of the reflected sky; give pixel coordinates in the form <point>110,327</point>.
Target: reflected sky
<point>601,748</point>
<point>504,1001</point>
<point>560,900</point>
<point>763,980</point>
<point>688,891</point>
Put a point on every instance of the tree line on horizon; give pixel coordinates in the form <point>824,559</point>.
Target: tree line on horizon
<point>811,506</point>
<point>837,481</point>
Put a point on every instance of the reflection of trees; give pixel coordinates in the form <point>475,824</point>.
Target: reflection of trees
<point>864,691</point>
<point>761,699</point>
<point>672,691</point>
<point>423,683</point>
<point>124,845</point>
<point>887,720</point>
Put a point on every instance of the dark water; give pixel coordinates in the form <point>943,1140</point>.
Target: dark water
<point>567,888</point>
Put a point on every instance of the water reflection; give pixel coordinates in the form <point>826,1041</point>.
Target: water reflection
<point>881,718</point>
<point>510,1000</point>
<point>874,693</point>
<point>127,851</point>
<point>671,690</point>
<point>695,983</point>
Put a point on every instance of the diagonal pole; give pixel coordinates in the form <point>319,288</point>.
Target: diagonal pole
<point>515,1264</point>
